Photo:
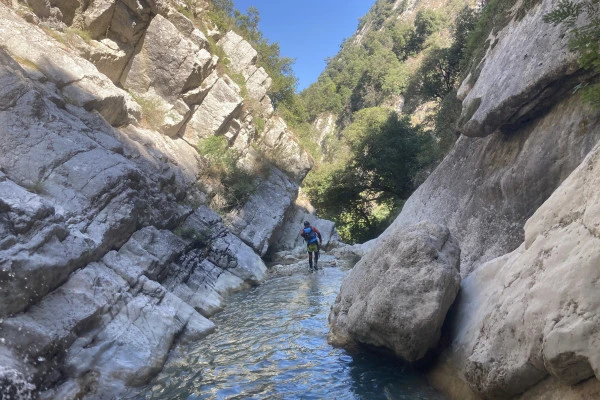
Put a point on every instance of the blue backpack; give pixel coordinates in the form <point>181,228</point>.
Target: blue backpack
<point>309,235</point>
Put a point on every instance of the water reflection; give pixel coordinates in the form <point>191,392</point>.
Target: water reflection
<point>271,344</point>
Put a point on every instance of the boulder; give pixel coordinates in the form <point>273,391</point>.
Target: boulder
<point>264,212</point>
<point>284,151</point>
<point>240,53</point>
<point>258,84</point>
<point>167,62</point>
<point>547,71</point>
<point>220,106</point>
<point>227,251</point>
<point>397,296</point>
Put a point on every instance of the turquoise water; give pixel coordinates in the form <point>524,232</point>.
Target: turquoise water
<point>271,344</point>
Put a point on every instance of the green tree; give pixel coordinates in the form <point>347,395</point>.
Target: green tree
<point>372,181</point>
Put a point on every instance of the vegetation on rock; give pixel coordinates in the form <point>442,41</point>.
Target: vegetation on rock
<point>395,67</point>
<point>583,39</point>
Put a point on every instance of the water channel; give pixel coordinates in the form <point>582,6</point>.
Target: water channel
<point>270,343</point>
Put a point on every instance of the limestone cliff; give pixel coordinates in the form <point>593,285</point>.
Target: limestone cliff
<point>108,251</point>
<point>518,192</point>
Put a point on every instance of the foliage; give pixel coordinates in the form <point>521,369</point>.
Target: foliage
<point>226,17</point>
<point>583,39</point>
<point>234,185</point>
<point>152,113</point>
<point>370,183</point>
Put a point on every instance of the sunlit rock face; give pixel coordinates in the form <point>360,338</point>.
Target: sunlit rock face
<point>109,255</point>
<point>519,196</point>
<point>397,296</point>
<point>517,83</point>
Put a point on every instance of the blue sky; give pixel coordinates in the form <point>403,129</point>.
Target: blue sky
<point>308,30</point>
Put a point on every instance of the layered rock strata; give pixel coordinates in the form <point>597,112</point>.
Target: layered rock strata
<point>104,262</point>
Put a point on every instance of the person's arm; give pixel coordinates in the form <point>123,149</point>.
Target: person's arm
<point>319,235</point>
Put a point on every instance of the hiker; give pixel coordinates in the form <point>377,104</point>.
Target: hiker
<point>310,235</point>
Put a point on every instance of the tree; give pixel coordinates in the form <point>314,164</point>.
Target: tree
<point>385,154</point>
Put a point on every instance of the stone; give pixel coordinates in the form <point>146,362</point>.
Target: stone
<point>108,57</point>
<point>531,315</point>
<point>397,296</point>
<point>486,188</point>
<point>285,152</point>
<point>226,250</point>
<point>547,72</point>
<point>258,84</point>
<point>79,80</point>
<point>167,62</point>
<point>264,212</point>
<point>241,54</point>
<point>220,106</point>
<point>98,16</point>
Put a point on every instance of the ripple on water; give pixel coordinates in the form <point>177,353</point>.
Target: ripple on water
<point>270,343</point>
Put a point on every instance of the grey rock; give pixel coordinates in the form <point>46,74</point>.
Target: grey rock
<point>167,62</point>
<point>284,150</point>
<point>226,250</point>
<point>264,212</point>
<point>79,80</point>
<point>546,73</point>
<point>486,188</point>
<point>220,106</point>
<point>240,52</point>
<point>397,296</point>
<point>533,312</point>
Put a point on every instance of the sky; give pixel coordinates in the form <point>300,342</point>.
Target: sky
<point>308,30</point>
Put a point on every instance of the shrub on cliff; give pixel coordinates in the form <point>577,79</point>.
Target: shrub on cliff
<point>583,39</point>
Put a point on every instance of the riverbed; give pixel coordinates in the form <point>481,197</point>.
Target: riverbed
<point>270,343</point>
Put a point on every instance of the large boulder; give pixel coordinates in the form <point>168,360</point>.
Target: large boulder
<point>167,62</point>
<point>264,212</point>
<point>219,107</point>
<point>533,313</point>
<point>284,150</point>
<point>397,296</point>
<point>547,70</point>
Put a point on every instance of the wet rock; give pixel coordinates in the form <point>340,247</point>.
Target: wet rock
<point>397,296</point>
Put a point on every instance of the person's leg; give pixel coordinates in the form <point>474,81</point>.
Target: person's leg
<point>310,260</point>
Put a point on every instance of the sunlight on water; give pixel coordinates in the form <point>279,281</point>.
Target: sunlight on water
<point>271,344</point>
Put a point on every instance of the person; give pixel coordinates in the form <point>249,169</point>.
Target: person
<point>313,239</point>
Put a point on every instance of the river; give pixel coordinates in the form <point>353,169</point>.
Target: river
<point>270,343</point>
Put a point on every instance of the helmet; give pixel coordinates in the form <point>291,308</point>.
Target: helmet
<point>306,223</point>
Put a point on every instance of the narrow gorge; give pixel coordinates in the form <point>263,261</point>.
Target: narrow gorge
<point>154,178</point>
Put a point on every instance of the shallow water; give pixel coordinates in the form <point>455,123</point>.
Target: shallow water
<point>271,344</point>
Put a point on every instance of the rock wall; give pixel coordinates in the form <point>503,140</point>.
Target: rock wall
<point>518,192</point>
<point>109,254</point>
